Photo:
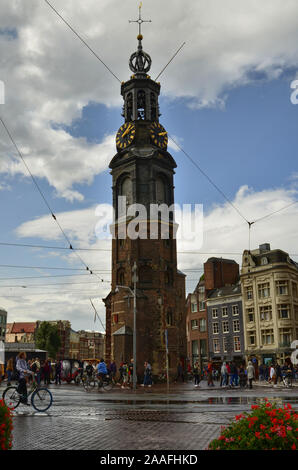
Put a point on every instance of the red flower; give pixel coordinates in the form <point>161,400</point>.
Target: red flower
<point>293,447</point>
<point>258,435</point>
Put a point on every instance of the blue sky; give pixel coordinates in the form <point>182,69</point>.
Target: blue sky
<point>245,135</point>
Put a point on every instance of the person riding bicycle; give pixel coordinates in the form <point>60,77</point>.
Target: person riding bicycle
<point>23,371</point>
<point>89,369</point>
<point>102,369</point>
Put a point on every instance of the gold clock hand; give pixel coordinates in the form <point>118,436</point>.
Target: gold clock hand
<point>162,133</point>
<point>127,131</point>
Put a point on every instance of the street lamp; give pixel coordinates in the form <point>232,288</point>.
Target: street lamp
<point>134,294</point>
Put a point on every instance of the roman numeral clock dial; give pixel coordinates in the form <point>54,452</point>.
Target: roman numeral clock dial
<point>159,135</point>
<point>125,135</point>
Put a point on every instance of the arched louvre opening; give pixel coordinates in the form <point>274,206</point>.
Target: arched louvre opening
<point>141,104</point>
<point>160,191</point>
<point>129,107</point>
<point>153,105</point>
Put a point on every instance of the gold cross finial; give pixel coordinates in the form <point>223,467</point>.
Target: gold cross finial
<point>140,21</point>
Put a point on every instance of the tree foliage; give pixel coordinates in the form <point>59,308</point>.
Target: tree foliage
<point>47,337</point>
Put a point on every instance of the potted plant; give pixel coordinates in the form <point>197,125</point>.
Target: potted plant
<point>5,427</point>
<point>267,427</point>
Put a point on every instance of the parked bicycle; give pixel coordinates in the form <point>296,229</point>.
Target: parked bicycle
<point>288,379</point>
<point>41,397</point>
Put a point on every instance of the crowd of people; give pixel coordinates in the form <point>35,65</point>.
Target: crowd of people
<point>228,374</point>
<point>231,375</point>
<point>48,371</point>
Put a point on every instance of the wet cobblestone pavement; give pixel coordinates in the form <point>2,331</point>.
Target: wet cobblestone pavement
<point>184,419</point>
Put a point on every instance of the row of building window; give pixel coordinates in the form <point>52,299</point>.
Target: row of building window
<point>265,312</point>
<point>224,311</point>
<point>226,345</point>
<point>282,288</point>
<point>225,327</point>
<point>200,325</point>
<point>267,337</point>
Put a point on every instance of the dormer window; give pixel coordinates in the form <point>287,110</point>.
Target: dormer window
<point>264,261</point>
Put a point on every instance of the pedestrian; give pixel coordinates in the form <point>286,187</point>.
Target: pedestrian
<point>272,374</point>
<point>233,375</point>
<point>121,374</point>
<point>9,370</point>
<point>58,372</point>
<point>242,377</point>
<point>210,378</point>
<point>46,373</point>
<point>113,369</point>
<point>250,374</point>
<point>130,372</point>
<point>180,372</point>
<point>124,375</point>
<point>197,374</point>
<point>278,374</point>
<point>147,375</point>
<point>35,366</point>
<point>224,375</point>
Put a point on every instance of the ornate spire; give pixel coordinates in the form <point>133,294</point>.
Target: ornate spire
<point>140,61</point>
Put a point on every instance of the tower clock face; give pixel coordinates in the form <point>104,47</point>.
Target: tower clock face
<point>159,135</point>
<point>125,135</point>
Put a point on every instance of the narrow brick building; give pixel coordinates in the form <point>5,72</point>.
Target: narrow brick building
<point>143,172</point>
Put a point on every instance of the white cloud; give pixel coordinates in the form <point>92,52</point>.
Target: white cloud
<point>50,76</point>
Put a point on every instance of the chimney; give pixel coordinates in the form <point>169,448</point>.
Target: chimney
<point>264,248</point>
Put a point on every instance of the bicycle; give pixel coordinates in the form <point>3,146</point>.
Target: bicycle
<point>288,380</point>
<point>105,382</point>
<point>88,382</point>
<point>41,398</point>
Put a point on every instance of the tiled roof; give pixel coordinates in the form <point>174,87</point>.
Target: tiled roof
<point>25,327</point>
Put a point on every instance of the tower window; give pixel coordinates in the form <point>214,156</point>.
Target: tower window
<point>153,107</point>
<point>169,277</point>
<point>129,107</point>
<point>121,277</point>
<point>141,105</point>
<point>170,317</point>
<point>160,191</point>
<point>145,274</point>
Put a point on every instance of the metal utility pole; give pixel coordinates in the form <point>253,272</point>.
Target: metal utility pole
<point>167,359</point>
<point>134,295</point>
<point>134,279</point>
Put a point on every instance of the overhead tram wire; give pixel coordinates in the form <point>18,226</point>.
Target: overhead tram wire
<point>108,250</point>
<point>53,284</point>
<point>39,267</point>
<point>47,247</point>
<point>275,212</point>
<point>82,40</point>
<point>43,197</point>
<point>176,53</point>
<point>67,292</point>
<point>209,179</point>
<point>46,277</point>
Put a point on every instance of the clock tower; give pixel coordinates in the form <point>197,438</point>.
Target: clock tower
<point>143,173</point>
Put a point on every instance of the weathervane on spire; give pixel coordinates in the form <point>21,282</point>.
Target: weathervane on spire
<point>140,62</point>
<point>140,21</point>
